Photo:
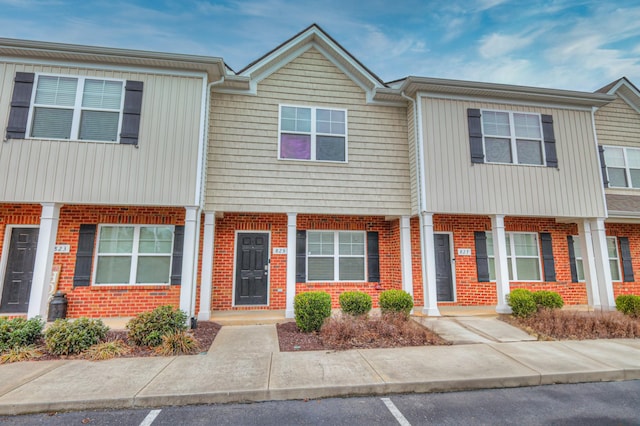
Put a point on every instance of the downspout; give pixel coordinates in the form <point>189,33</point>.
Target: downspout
<point>200,180</point>
<point>595,138</point>
<point>419,154</point>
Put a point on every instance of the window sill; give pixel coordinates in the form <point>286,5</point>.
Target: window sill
<point>68,140</point>
<point>313,161</point>
<point>116,287</point>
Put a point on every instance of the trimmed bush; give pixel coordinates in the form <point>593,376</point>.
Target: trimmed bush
<point>147,328</point>
<point>65,337</point>
<point>355,303</point>
<point>311,309</point>
<point>396,301</point>
<point>548,299</point>
<point>19,332</point>
<point>522,303</point>
<point>629,304</point>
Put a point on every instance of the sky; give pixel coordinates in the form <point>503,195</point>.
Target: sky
<point>564,44</point>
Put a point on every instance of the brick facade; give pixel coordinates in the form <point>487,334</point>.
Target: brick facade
<point>104,300</point>
<point>470,292</point>
<point>276,225</point>
<point>631,231</point>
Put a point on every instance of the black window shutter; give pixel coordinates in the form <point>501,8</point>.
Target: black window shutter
<point>176,262</point>
<point>131,113</point>
<point>603,166</point>
<point>625,254</point>
<point>549,140</point>
<point>482,259</point>
<point>84,255</point>
<point>301,256</point>
<point>547,257</point>
<point>572,260</point>
<point>20,101</point>
<point>475,135</point>
<point>373,258</point>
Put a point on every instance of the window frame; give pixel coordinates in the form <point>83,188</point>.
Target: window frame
<point>627,169</point>
<point>336,256</point>
<point>313,134</point>
<point>511,258</point>
<point>580,269</point>
<point>513,138</point>
<point>135,253</point>
<point>77,108</point>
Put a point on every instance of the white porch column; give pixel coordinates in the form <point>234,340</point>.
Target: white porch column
<point>589,263</point>
<point>291,263</point>
<point>405,254</point>
<point>601,260</point>
<point>501,263</point>
<point>206,279</point>
<point>38,298</point>
<point>189,254</point>
<point>428,265</point>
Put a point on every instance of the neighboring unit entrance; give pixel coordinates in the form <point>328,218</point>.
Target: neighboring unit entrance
<point>16,287</point>
<point>444,274</point>
<point>252,269</point>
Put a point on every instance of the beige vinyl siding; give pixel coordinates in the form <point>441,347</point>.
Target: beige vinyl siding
<point>245,175</point>
<point>617,123</point>
<point>455,185</point>
<point>161,171</point>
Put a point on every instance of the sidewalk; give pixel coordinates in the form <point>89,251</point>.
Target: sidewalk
<point>244,364</point>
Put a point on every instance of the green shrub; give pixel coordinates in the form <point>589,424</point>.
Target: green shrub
<point>65,337</point>
<point>311,309</point>
<point>396,301</point>
<point>148,328</point>
<point>548,299</point>
<point>19,332</point>
<point>629,304</point>
<point>355,303</point>
<point>522,303</point>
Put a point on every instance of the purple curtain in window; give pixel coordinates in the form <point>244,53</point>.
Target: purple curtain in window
<point>295,146</point>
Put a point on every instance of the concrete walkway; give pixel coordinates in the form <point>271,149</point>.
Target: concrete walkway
<point>244,364</point>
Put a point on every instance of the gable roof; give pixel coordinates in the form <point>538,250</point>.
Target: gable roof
<point>624,89</point>
<point>311,37</point>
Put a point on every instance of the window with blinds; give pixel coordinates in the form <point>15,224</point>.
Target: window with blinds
<point>77,108</point>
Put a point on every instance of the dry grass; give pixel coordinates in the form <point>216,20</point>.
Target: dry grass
<point>22,353</point>
<point>106,350</point>
<point>575,325</point>
<point>389,330</point>
<point>179,343</point>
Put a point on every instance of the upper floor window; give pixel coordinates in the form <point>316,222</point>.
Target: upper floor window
<point>506,137</point>
<point>78,108</point>
<point>523,256</point>
<point>310,133</point>
<point>512,137</point>
<point>623,166</point>
<point>134,254</point>
<point>75,108</point>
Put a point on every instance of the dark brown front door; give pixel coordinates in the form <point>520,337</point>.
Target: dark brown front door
<point>16,286</point>
<point>252,269</point>
<point>444,276</point>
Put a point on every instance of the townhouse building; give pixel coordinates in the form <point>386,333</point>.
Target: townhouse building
<point>101,165</point>
<point>618,131</point>
<point>136,179</point>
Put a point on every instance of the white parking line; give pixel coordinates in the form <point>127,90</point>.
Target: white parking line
<point>152,416</point>
<point>396,413</point>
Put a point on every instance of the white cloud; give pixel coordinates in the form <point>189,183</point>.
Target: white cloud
<point>497,45</point>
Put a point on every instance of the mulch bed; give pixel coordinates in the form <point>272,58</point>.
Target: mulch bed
<point>554,324</point>
<point>205,333</point>
<point>349,333</point>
